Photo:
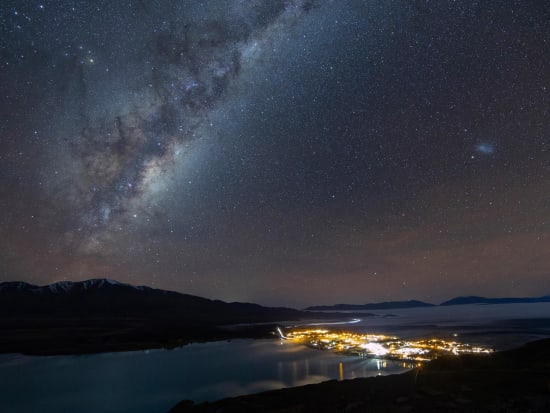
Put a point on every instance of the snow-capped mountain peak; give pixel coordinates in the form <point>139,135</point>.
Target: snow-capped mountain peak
<point>61,286</point>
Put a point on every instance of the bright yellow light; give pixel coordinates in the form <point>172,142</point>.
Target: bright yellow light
<point>379,345</point>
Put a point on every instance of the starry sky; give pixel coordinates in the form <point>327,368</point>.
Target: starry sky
<point>284,152</point>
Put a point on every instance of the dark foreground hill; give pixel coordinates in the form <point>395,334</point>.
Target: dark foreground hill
<point>510,381</point>
<point>103,315</point>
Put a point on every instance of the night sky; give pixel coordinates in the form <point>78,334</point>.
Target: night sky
<point>281,152</point>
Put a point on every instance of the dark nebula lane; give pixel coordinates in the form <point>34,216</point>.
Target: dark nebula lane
<point>289,152</point>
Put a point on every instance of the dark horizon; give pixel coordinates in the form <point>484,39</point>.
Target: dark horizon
<point>434,304</point>
<point>288,152</point>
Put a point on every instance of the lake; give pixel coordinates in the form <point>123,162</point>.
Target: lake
<point>153,381</point>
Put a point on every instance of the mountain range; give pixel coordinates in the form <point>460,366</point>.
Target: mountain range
<point>104,315</point>
<point>504,300</point>
<point>415,303</point>
<point>108,298</point>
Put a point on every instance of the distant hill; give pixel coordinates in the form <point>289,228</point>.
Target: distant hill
<point>506,300</point>
<point>108,298</point>
<point>374,306</point>
<point>415,303</point>
<point>103,315</point>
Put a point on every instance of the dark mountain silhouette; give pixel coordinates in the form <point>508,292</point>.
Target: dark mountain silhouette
<point>107,298</point>
<point>374,306</point>
<point>414,303</point>
<point>505,300</point>
<point>104,315</point>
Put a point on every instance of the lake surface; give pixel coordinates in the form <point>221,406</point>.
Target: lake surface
<point>154,381</point>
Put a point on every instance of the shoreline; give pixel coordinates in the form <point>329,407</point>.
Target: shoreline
<point>520,378</point>
<point>66,340</point>
<point>515,380</point>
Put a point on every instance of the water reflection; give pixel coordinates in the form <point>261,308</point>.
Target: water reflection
<point>154,381</point>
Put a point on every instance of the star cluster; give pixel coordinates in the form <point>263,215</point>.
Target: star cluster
<point>288,152</point>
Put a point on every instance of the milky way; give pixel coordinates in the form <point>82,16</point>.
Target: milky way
<point>285,152</point>
<point>124,157</point>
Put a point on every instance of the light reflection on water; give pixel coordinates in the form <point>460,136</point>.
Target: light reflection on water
<point>153,381</point>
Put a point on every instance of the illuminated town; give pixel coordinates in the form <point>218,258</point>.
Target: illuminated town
<point>381,346</point>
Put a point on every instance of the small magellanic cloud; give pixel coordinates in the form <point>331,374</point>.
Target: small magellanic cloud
<point>485,148</point>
